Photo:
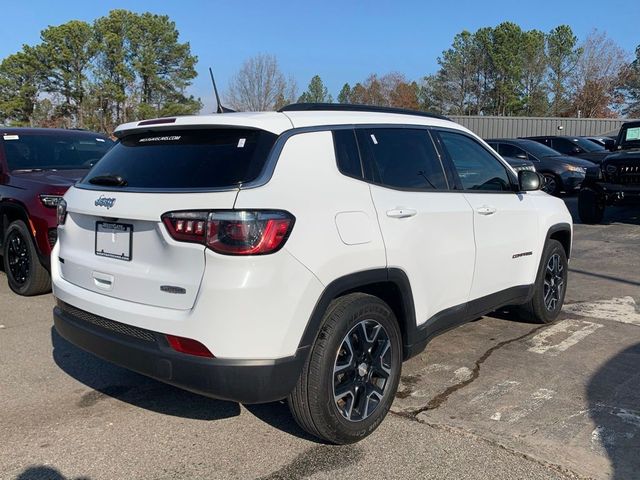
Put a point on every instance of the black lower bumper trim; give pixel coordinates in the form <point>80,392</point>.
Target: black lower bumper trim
<point>244,381</point>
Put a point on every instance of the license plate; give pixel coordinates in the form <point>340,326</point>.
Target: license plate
<point>114,240</point>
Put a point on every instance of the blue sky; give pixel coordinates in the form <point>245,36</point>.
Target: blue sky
<point>342,41</point>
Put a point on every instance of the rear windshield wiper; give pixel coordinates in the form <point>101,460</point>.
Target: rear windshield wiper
<point>108,181</point>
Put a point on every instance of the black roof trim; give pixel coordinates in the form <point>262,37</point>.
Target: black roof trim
<point>352,107</point>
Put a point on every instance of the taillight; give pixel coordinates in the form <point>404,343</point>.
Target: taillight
<point>188,346</point>
<point>61,212</point>
<point>232,232</point>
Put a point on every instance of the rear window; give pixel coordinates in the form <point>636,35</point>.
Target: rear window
<point>52,151</point>
<point>186,159</point>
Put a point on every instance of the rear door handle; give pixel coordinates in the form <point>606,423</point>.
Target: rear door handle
<point>401,212</point>
<point>486,210</point>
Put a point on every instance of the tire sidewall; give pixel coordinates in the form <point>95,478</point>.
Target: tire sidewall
<point>590,206</point>
<point>552,247</point>
<point>341,428</point>
<point>21,228</point>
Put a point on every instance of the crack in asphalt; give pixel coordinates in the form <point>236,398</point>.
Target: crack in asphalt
<point>494,443</point>
<point>442,397</point>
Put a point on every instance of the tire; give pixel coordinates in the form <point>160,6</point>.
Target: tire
<point>25,274</point>
<point>552,184</point>
<point>328,400</point>
<point>551,284</point>
<point>590,206</point>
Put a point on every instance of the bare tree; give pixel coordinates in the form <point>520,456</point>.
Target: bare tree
<point>597,75</point>
<point>260,85</point>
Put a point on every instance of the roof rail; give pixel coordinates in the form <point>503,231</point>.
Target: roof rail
<point>352,107</point>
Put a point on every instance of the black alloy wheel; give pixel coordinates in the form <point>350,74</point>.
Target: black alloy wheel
<point>554,282</point>
<point>18,257</point>
<point>361,370</point>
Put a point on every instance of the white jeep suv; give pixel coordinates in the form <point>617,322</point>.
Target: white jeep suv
<point>300,254</point>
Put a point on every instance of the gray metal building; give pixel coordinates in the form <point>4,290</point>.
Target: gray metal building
<point>512,127</point>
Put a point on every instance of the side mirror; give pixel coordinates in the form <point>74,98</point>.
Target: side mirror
<point>529,181</point>
<point>610,145</point>
<point>576,150</point>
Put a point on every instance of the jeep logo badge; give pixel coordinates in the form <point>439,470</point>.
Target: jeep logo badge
<point>106,202</point>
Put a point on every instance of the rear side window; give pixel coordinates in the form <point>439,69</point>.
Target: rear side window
<point>347,154</point>
<point>401,158</point>
<point>187,159</point>
<point>53,151</point>
<point>477,168</point>
<point>507,150</point>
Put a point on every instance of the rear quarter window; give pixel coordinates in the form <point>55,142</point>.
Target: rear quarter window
<point>186,159</point>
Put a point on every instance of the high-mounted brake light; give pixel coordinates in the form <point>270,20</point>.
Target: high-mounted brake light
<point>232,232</point>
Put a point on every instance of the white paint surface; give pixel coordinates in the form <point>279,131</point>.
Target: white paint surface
<point>623,309</point>
<point>495,391</point>
<point>537,399</point>
<point>462,374</point>
<point>562,336</point>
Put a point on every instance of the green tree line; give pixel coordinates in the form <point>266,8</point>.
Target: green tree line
<point>122,67</point>
<point>505,70</point>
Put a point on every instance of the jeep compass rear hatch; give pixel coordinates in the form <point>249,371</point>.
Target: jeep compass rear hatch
<point>114,240</point>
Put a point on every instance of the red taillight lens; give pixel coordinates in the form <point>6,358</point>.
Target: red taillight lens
<point>188,346</point>
<point>232,232</point>
<point>248,233</point>
<point>187,226</point>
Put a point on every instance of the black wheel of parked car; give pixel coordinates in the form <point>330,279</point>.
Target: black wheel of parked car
<point>25,273</point>
<point>590,206</point>
<point>550,286</point>
<point>352,373</point>
<point>552,184</point>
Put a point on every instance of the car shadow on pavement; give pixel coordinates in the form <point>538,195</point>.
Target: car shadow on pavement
<point>108,380</point>
<point>614,406</point>
<point>43,473</point>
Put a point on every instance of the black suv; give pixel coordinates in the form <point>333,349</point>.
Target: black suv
<point>615,180</point>
<point>574,147</point>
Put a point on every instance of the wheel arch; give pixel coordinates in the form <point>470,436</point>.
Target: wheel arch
<point>562,233</point>
<point>391,285</point>
<point>10,212</point>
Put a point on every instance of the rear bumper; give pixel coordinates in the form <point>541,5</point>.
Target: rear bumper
<point>148,353</point>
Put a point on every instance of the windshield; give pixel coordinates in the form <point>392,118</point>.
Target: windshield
<point>630,137</point>
<point>184,159</point>
<point>53,151</point>
<point>537,149</point>
<point>587,145</point>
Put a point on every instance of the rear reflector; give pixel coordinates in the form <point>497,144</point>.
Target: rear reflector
<point>188,346</point>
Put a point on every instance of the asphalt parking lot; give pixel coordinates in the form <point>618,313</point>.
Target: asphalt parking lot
<point>497,398</point>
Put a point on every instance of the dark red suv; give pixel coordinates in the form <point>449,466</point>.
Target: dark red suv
<point>37,166</point>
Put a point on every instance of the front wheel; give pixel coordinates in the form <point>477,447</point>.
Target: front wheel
<point>550,286</point>
<point>25,273</point>
<point>590,206</point>
<point>351,376</point>
<point>552,184</point>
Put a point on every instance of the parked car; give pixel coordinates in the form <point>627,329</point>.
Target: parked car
<point>561,173</point>
<point>616,180</point>
<point>608,143</point>
<point>36,168</point>
<point>300,254</point>
<point>520,164</point>
<point>574,147</point>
